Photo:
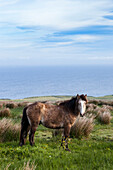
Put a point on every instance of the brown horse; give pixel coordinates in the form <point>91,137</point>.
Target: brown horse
<point>58,116</point>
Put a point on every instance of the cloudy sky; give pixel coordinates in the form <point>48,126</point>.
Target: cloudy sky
<point>56,32</point>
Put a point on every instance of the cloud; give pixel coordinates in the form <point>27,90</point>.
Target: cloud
<point>61,28</point>
<point>58,14</point>
<point>7,2</point>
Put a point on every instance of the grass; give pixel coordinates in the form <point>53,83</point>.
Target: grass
<point>46,154</point>
<point>105,117</point>
<point>82,127</point>
<point>5,112</point>
<point>8,130</point>
<point>94,152</point>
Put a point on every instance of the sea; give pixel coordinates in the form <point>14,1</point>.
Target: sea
<point>26,81</point>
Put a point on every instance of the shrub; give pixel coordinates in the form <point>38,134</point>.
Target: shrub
<point>92,110</point>
<point>96,102</point>
<point>8,130</point>
<point>90,107</point>
<point>95,110</point>
<point>23,104</point>
<point>82,127</point>
<point>1,105</point>
<point>107,107</point>
<point>11,105</point>
<point>105,117</point>
<point>5,112</point>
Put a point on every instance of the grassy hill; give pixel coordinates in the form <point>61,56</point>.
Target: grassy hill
<point>94,152</point>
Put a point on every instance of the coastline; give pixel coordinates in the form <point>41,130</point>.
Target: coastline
<point>55,98</point>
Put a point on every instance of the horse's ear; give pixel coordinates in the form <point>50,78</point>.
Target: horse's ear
<point>86,98</point>
<point>78,96</point>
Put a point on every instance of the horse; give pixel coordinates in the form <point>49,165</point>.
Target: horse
<point>62,115</point>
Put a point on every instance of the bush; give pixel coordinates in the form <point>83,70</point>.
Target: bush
<point>95,110</point>
<point>8,130</point>
<point>96,102</point>
<point>82,127</point>
<point>5,112</point>
<point>105,117</point>
<point>23,104</point>
<point>1,105</point>
<point>11,105</point>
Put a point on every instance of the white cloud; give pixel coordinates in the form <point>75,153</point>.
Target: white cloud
<point>58,14</point>
<point>7,2</point>
<point>27,29</point>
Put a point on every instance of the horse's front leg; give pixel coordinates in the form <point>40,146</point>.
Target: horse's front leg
<point>66,135</point>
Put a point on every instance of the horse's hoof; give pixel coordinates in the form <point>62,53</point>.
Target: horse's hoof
<point>32,144</point>
<point>67,149</point>
<point>20,144</point>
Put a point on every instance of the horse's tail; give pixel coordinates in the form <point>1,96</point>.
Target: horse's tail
<point>24,127</point>
<point>24,121</point>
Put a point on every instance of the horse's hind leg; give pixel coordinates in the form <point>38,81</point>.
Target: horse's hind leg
<point>23,134</point>
<point>31,135</point>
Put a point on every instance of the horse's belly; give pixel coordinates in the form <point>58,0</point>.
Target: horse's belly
<point>52,124</point>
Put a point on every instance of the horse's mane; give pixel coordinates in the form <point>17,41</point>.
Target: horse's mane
<point>69,104</point>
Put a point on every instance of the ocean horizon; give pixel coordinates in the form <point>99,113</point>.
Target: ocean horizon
<point>26,81</point>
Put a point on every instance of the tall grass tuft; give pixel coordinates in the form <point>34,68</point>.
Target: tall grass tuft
<point>105,117</point>
<point>11,105</point>
<point>23,104</point>
<point>82,127</point>
<point>8,130</point>
<point>27,166</point>
<point>5,112</point>
<point>1,105</point>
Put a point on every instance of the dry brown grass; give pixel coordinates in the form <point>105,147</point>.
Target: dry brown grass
<point>105,117</point>
<point>26,166</point>
<point>82,127</point>
<point>8,130</point>
<point>11,105</point>
<point>1,105</point>
<point>5,112</point>
<point>92,110</point>
<point>23,104</point>
<point>95,110</point>
<point>101,102</point>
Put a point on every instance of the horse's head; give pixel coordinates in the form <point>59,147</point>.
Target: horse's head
<point>81,103</point>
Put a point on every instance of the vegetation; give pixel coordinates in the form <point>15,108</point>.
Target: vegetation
<point>82,127</point>
<point>92,152</point>
<point>5,112</point>
<point>8,130</point>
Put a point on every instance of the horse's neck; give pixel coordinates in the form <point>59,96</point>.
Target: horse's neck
<point>76,111</point>
<point>71,107</point>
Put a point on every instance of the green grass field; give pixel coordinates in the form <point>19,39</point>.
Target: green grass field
<point>93,153</point>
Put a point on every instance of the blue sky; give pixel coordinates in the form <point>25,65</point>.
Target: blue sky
<point>56,32</point>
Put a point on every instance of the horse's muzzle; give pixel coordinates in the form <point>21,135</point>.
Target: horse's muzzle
<point>81,115</point>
